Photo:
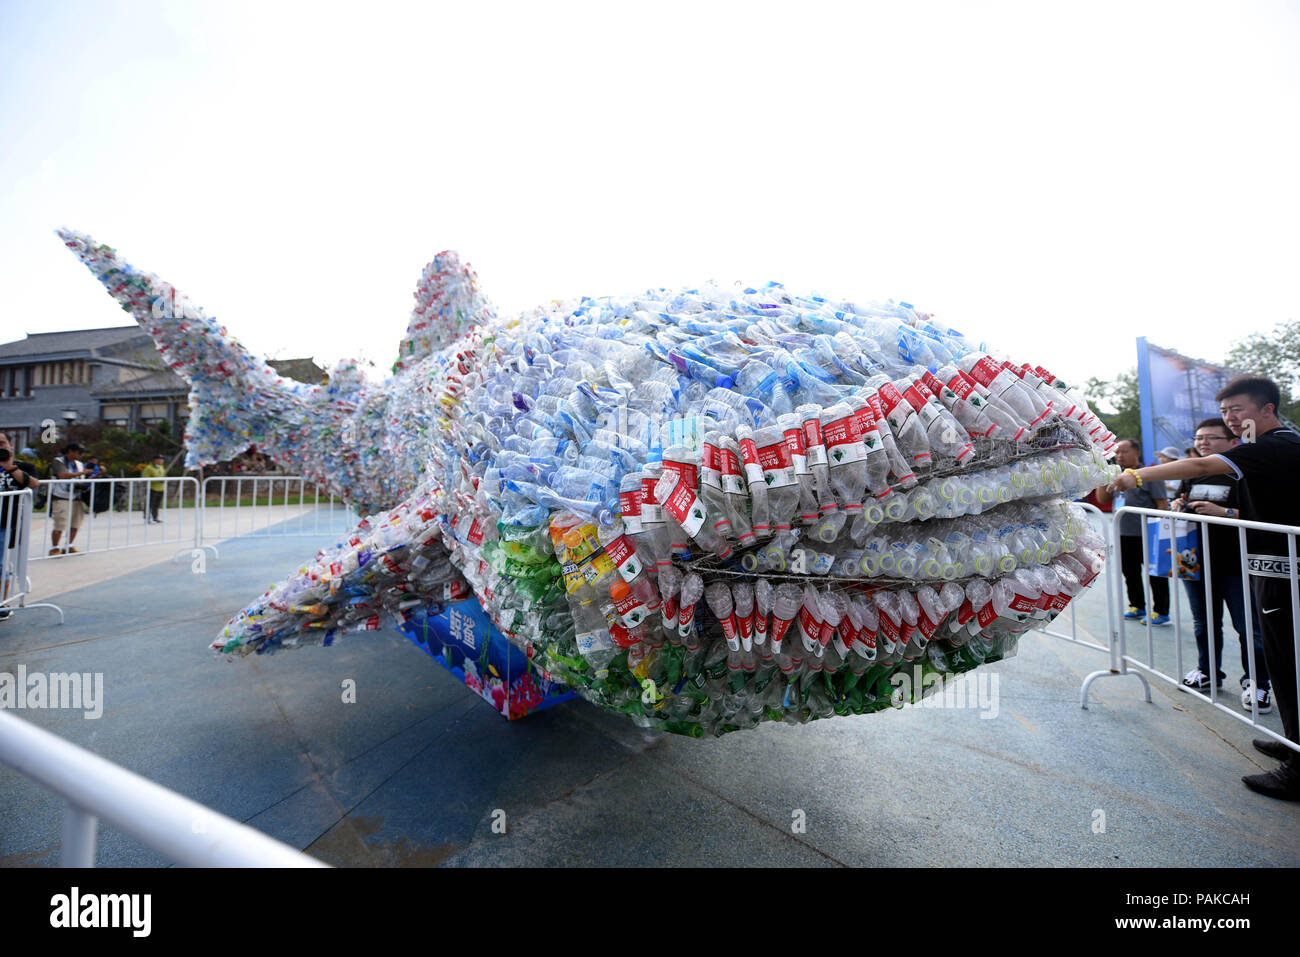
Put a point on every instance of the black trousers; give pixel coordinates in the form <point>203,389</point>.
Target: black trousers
<point>1135,575</point>
<point>155,499</point>
<point>1273,598</point>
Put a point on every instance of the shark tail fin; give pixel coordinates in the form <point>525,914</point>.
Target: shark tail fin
<point>235,398</point>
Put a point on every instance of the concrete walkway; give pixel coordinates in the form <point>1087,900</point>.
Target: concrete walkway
<point>113,544</point>
<point>418,769</point>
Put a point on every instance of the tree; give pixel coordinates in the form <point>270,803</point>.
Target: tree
<point>1275,354</point>
<point>1116,403</point>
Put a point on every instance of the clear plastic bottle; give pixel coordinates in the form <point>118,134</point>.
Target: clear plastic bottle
<point>903,421</point>
<point>692,590</point>
<point>736,495</point>
<point>787,599</point>
<point>782,489</point>
<point>1009,423</point>
<point>792,429</point>
<point>677,491</point>
<point>764,595</point>
<point>718,596</point>
<point>1006,386</point>
<point>900,467</point>
<point>759,512</point>
<point>742,594</point>
<point>846,455</point>
<point>833,607</point>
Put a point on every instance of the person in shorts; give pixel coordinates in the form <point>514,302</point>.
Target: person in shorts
<point>67,511</point>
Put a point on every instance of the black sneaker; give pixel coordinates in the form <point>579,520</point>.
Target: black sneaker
<point>1282,783</point>
<point>1197,680</point>
<point>5,613</point>
<point>1274,749</point>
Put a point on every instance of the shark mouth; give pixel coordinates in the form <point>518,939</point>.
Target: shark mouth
<point>590,469</point>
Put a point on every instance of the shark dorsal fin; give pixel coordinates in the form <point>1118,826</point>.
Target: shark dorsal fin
<point>447,304</point>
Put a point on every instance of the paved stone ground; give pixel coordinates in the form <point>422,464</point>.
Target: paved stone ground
<point>414,772</point>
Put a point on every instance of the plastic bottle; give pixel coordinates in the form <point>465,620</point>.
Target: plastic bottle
<point>787,599</point>
<point>736,495</point>
<point>846,455</point>
<point>903,421</point>
<point>677,491</point>
<point>834,607</point>
<point>692,589</point>
<point>1006,386</point>
<point>764,595</point>
<point>792,429</point>
<point>759,512</point>
<point>900,467</point>
<point>782,489</point>
<point>654,529</point>
<point>742,594</point>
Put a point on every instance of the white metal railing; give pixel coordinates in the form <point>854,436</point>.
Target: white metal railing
<point>180,829</point>
<point>15,542</point>
<point>106,514</point>
<point>114,513</point>
<point>1120,656</point>
<point>1073,637</point>
<point>282,504</point>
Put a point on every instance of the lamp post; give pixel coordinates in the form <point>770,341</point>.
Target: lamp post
<point>70,417</point>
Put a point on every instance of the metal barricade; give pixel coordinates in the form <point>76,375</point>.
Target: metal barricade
<point>182,830</point>
<point>1119,635</point>
<point>106,514</point>
<point>274,504</point>
<point>1073,637</point>
<point>15,542</point>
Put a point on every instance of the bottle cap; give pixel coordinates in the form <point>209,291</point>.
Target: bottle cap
<point>619,590</point>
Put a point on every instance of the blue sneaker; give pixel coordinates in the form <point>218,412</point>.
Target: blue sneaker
<point>1135,612</point>
<point>1160,620</point>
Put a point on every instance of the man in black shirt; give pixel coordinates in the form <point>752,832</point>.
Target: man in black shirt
<point>1267,462</point>
<point>14,476</point>
<point>1217,495</point>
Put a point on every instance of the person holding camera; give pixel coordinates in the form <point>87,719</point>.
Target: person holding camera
<point>14,477</point>
<point>66,507</point>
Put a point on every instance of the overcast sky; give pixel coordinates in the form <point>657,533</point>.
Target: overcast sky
<point>1055,178</point>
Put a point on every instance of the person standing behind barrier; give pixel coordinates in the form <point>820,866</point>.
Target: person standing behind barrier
<point>14,477</point>
<point>66,508</point>
<point>1266,462</point>
<point>157,489</point>
<point>1132,533</point>
<point>1217,495</point>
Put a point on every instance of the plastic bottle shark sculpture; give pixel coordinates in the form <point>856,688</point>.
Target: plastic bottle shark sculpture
<point>850,488</point>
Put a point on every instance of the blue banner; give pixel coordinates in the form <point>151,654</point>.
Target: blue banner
<point>1175,392</point>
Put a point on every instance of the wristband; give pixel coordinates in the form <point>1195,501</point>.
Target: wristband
<point>1136,478</point>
